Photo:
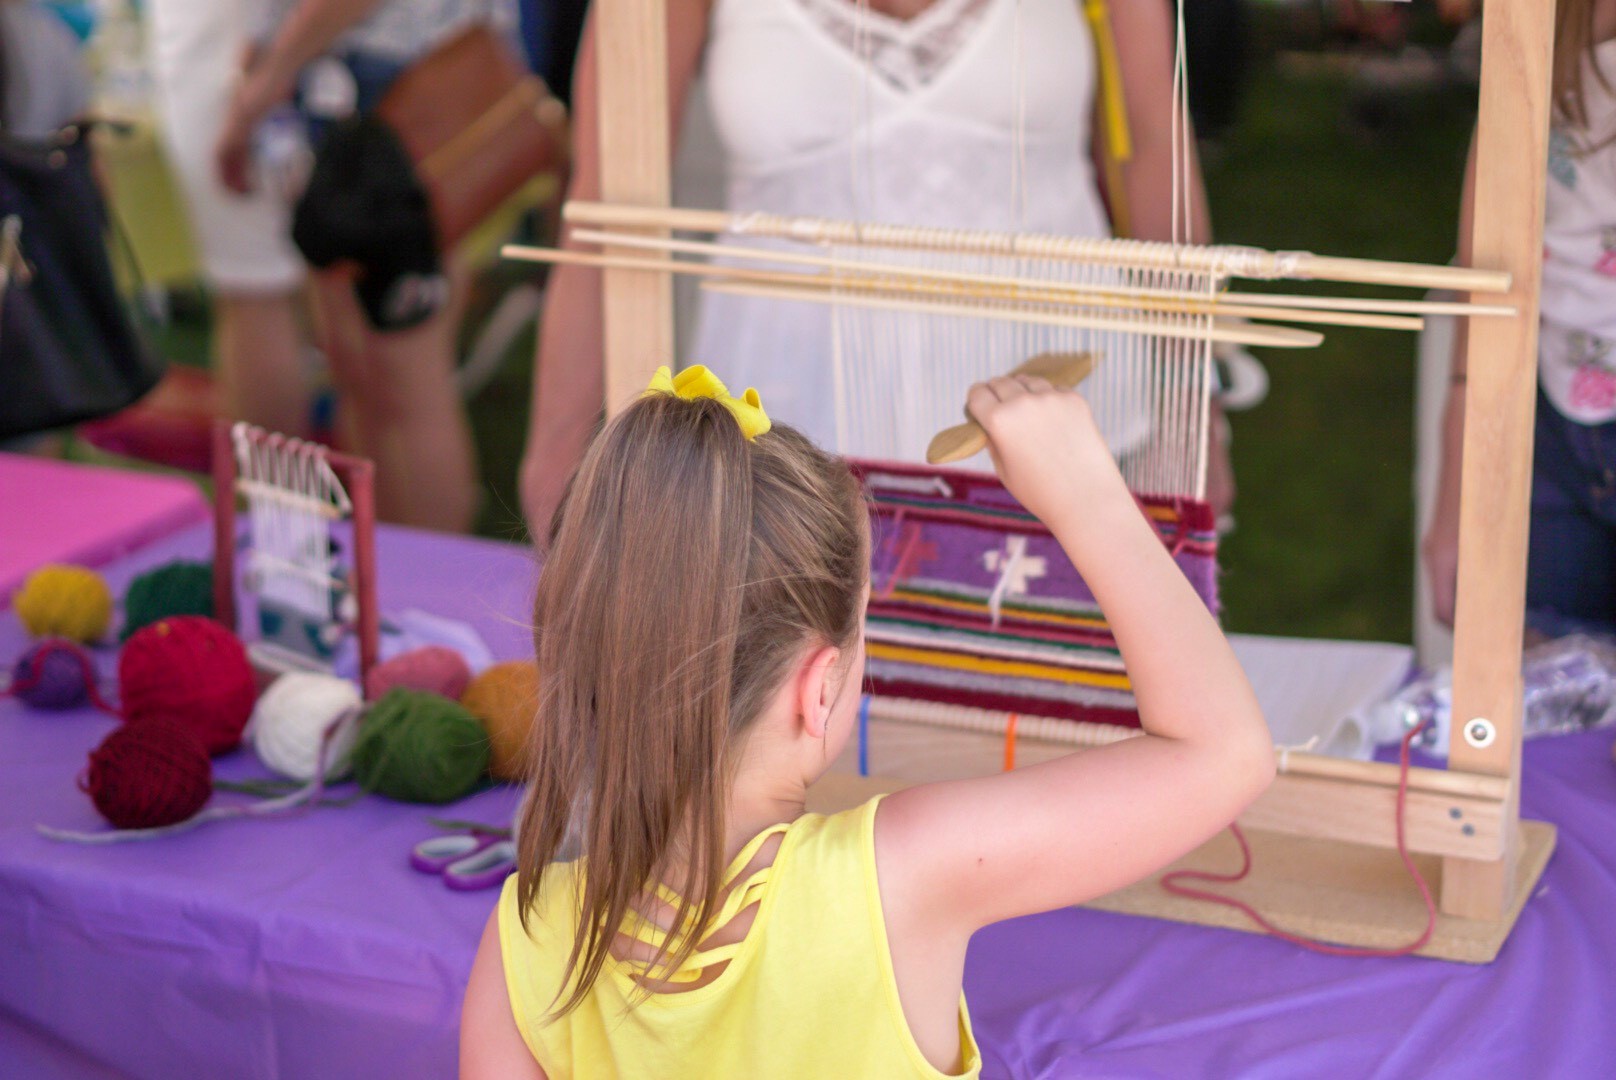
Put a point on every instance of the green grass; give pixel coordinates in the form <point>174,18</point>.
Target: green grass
<point>1325,544</point>
<point>499,424</point>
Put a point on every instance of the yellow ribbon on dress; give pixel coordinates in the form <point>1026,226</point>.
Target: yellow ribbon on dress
<point>697,382</point>
<point>1118,139</point>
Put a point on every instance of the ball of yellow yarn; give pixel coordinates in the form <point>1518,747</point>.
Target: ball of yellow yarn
<point>64,601</point>
<point>505,698</point>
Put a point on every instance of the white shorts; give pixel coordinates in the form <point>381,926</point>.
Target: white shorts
<point>195,46</point>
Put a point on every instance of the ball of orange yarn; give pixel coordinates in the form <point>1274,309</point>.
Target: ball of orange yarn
<point>147,776</point>
<point>193,671</point>
<point>505,699</point>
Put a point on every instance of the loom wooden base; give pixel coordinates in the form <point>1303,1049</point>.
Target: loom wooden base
<point>1349,894</point>
<point>1344,893</point>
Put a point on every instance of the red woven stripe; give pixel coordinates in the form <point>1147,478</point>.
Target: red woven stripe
<point>1001,702</point>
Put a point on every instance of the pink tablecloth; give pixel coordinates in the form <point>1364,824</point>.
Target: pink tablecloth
<point>55,511</point>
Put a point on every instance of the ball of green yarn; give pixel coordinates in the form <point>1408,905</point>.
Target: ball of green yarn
<point>176,588</point>
<point>418,747</point>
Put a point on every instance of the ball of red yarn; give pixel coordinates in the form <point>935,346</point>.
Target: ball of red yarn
<point>148,775</point>
<point>191,670</point>
<point>436,669</point>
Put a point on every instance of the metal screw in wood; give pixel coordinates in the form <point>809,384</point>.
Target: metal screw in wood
<point>1480,733</point>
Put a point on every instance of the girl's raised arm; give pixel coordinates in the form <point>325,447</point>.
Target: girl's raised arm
<point>956,856</point>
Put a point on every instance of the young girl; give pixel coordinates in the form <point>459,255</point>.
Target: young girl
<point>700,628</point>
<point>1571,558</point>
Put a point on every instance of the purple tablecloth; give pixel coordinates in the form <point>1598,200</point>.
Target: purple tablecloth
<point>307,948</point>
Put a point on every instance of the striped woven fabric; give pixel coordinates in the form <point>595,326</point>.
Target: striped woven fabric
<point>973,602</point>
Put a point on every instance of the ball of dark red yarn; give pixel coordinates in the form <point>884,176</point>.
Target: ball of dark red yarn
<point>55,674</point>
<point>191,670</point>
<point>143,776</point>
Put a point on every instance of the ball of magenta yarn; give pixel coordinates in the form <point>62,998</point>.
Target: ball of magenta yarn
<point>435,669</point>
<point>55,674</point>
<point>190,670</point>
<point>146,775</point>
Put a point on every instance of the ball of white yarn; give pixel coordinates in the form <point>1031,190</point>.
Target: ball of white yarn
<point>291,718</point>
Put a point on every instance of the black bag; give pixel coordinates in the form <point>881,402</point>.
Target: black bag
<point>364,204</point>
<point>68,351</point>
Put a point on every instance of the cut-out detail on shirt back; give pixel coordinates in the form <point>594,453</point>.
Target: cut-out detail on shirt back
<point>643,935</point>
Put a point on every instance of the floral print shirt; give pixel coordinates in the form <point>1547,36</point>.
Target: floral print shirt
<point>1577,337</point>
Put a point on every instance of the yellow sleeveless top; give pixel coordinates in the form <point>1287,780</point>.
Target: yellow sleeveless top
<point>809,992</point>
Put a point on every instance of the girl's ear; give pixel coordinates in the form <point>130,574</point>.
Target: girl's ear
<point>816,689</point>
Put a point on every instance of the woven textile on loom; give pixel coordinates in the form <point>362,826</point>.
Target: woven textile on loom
<point>973,602</point>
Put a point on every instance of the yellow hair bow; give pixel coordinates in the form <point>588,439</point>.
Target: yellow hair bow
<point>697,382</point>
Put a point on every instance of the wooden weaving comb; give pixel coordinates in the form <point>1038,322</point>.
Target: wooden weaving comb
<point>1063,370</point>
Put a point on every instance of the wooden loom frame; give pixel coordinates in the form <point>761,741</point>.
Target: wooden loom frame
<point>358,476</point>
<point>1324,863</point>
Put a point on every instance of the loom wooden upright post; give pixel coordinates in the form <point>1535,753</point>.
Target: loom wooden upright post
<point>632,70</point>
<point>361,482</point>
<point>1512,136</point>
<point>224,525</point>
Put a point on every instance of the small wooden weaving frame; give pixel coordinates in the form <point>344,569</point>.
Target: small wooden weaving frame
<point>358,476</point>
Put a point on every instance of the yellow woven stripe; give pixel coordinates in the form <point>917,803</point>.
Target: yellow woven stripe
<point>985,666</point>
<point>975,608</point>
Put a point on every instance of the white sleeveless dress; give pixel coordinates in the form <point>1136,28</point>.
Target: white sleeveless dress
<point>931,118</point>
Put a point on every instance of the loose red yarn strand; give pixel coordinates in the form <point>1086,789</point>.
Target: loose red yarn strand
<point>1170,882</point>
<point>1010,742</point>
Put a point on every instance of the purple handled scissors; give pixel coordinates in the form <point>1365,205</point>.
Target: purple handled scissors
<point>467,861</point>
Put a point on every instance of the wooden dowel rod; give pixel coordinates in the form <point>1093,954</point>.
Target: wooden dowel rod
<point>1120,293</point>
<point>925,286</point>
<point>1278,337</point>
<point>1362,303</point>
<point>1385,774</point>
<point>1079,733</point>
<point>1225,260</point>
<point>1408,275</point>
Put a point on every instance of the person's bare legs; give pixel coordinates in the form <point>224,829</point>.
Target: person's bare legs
<point>400,407</point>
<point>258,353</point>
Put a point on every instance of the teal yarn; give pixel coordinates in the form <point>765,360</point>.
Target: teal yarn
<point>418,747</point>
<point>176,588</point>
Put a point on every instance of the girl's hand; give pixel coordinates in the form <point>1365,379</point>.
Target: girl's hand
<point>1045,444</point>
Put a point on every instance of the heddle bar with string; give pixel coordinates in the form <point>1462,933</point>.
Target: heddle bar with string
<point>921,313</point>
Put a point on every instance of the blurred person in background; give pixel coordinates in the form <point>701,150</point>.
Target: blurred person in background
<point>43,84</point>
<point>1571,554</point>
<point>243,236</point>
<point>398,401</point>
